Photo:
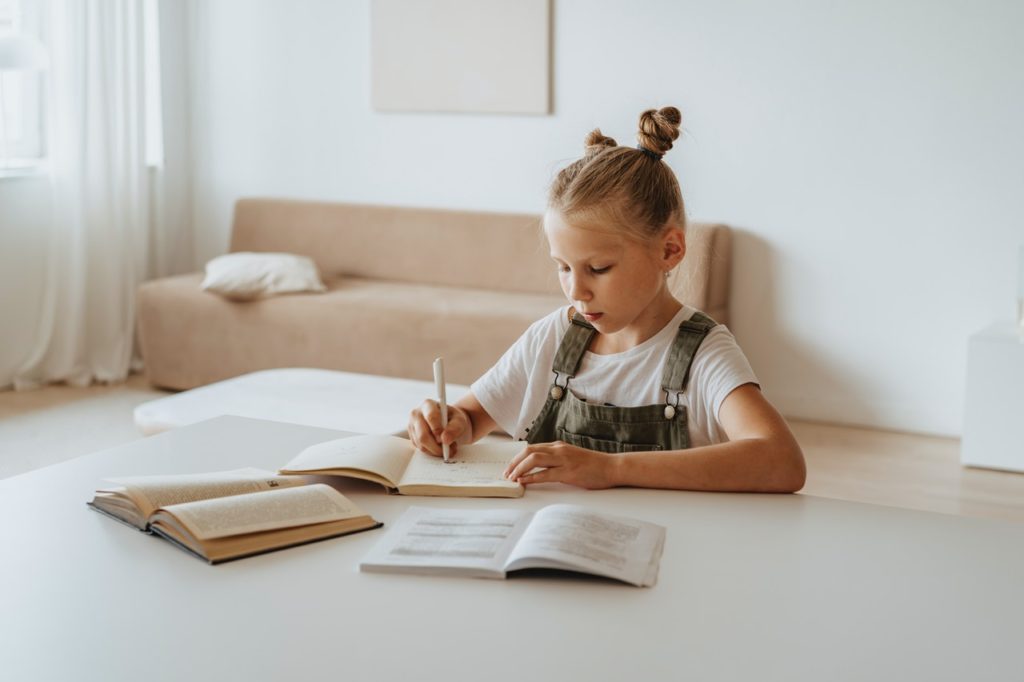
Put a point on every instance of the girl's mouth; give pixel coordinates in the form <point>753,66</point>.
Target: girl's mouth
<point>590,317</point>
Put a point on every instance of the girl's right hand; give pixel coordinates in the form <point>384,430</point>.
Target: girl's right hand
<point>425,428</point>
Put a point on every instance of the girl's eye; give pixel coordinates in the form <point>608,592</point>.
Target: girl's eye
<point>600,271</point>
<point>563,268</point>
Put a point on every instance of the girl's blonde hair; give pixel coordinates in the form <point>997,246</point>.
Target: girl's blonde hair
<point>629,189</point>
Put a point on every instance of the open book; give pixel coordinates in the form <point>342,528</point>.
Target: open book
<point>491,543</point>
<point>394,463</point>
<point>231,514</point>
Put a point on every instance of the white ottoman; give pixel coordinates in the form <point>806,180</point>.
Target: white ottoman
<point>313,397</point>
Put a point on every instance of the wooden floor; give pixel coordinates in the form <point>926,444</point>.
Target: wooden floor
<point>881,467</point>
<point>904,470</point>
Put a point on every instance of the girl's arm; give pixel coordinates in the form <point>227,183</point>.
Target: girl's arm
<point>761,456</point>
<point>468,422</point>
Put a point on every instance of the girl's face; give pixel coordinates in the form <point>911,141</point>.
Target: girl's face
<point>615,282</point>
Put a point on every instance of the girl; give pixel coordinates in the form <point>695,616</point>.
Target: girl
<point>626,386</point>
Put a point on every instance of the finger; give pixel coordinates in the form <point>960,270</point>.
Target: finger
<point>533,461</point>
<point>428,446</point>
<point>549,475</point>
<point>431,413</point>
<point>422,437</point>
<point>516,460</point>
<point>452,432</point>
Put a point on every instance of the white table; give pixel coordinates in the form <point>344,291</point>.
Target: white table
<point>752,587</point>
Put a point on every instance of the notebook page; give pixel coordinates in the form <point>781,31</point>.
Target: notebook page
<point>447,540</point>
<point>386,456</point>
<point>478,465</point>
<point>578,538</point>
<point>284,508</point>
<point>151,492</point>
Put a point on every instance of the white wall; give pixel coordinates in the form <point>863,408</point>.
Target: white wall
<point>867,151</point>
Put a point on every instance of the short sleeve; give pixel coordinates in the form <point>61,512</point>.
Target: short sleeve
<point>719,368</point>
<point>502,390</point>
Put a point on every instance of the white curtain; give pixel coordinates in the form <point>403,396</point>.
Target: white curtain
<point>108,230</point>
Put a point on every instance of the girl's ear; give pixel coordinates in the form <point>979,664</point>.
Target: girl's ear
<point>673,247</point>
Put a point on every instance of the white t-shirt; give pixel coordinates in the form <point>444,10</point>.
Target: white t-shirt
<point>514,390</point>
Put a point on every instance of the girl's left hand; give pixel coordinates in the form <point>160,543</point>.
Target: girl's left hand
<point>563,463</point>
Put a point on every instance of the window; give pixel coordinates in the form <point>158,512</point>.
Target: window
<point>21,92</point>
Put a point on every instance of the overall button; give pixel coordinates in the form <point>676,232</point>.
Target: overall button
<point>557,392</point>
<point>669,412</point>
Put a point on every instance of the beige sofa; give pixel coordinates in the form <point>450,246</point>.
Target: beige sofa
<point>405,285</point>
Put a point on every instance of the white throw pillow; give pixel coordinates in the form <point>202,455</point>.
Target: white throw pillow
<point>245,275</point>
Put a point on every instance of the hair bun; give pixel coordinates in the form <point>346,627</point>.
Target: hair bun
<point>596,142</point>
<point>659,128</point>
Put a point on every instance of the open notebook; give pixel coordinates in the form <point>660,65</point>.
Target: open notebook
<point>393,462</point>
<point>490,543</point>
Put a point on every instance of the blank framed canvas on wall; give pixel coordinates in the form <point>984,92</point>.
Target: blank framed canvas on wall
<point>484,56</point>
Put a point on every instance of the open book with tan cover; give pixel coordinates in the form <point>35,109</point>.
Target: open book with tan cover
<point>476,471</point>
<point>232,514</point>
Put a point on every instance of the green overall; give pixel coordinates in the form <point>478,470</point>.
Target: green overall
<point>606,428</point>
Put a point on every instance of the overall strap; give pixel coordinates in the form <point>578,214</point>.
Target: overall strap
<point>573,346</point>
<point>677,365</point>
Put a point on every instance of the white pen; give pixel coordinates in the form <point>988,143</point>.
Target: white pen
<point>439,380</point>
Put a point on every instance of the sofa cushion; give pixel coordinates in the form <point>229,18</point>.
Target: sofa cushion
<point>190,338</point>
<point>244,275</point>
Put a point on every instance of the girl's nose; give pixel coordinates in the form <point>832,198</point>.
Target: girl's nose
<point>576,289</point>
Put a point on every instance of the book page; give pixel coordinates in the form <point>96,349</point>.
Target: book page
<point>448,541</point>
<point>580,539</point>
<point>284,508</point>
<point>152,492</point>
<point>475,466</point>
<point>385,456</point>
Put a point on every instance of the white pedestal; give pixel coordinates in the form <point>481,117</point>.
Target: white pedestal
<point>994,410</point>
